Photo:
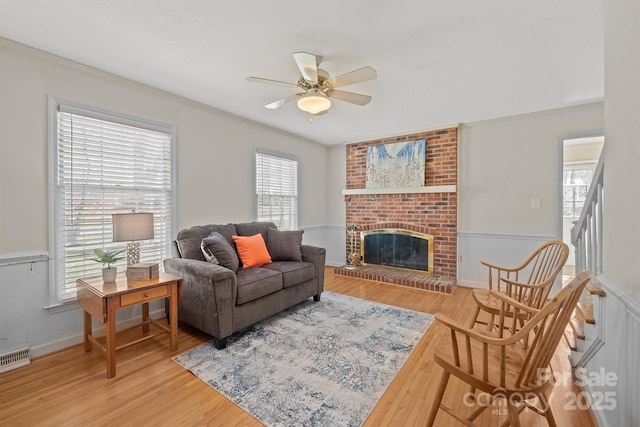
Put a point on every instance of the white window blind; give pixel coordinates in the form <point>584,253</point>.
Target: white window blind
<point>277,190</point>
<point>102,165</point>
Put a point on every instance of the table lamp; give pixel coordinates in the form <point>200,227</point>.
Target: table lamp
<point>132,227</point>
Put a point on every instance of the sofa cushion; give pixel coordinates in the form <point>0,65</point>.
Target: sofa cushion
<point>189,240</point>
<point>218,247</point>
<point>189,247</point>
<point>251,228</point>
<point>293,273</point>
<point>284,245</point>
<point>254,283</point>
<point>252,250</point>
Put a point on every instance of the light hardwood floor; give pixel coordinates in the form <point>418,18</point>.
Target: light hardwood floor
<point>70,388</point>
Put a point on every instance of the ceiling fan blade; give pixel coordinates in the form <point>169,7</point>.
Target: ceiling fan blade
<point>308,65</point>
<point>356,76</point>
<point>350,97</point>
<point>269,81</point>
<point>280,102</point>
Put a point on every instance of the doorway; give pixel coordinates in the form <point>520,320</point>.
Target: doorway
<point>579,159</point>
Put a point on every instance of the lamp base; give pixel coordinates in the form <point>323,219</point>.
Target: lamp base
<point>133,253</point>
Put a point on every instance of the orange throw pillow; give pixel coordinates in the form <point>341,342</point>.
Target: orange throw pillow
<point>252,250</point>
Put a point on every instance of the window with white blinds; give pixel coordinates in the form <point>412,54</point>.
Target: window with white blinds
<point>277,189</point>
<point>104,164</point>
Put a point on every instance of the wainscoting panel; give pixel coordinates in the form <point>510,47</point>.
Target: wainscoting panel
<point>18,274</point>
<point>330,237</point>
<point>24,320</point>
<point>504,249</point>
<point>613,383</point>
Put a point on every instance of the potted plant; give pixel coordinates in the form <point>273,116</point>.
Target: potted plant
<point>107,258</point>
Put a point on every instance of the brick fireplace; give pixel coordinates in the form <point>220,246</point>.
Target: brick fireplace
<point>431,209</point>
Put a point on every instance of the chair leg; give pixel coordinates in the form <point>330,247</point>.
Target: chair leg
<point>546,407</point>
<point>491,322</point>
<point>474,318</point>
<point>438,398</point>
<point>514,414</point>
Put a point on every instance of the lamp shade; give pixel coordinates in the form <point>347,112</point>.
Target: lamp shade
<point>315,102</point>
<point>132,226</point>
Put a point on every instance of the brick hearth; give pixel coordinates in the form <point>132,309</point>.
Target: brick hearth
<point>408,278</point>
<point>433,213</point>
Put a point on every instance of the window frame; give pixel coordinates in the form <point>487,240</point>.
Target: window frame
<point>57,297</point>
<point>287,156</point>
<point>575,165</point>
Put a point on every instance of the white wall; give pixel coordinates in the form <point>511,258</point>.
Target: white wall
<point>622,144</point>
<point>503,164</point>
<point>504,249</point>
<point>336,182</point>
<point>621,229</point>
<point>214,164</point>
<point>215,168</point>
<point>336,207</point>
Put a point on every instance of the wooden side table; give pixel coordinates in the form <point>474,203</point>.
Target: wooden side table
<point>101,300</point>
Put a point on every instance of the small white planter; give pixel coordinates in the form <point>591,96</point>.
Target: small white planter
<point>109,274</point>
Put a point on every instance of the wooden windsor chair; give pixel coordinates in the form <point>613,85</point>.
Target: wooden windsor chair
<point>505,368</point>
<point>528,284</point>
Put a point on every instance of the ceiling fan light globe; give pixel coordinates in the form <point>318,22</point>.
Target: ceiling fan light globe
<point>314,104</point>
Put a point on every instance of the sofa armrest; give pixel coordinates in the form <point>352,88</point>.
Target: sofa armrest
<point>197,268</point>
<point>315,255</point>
<point>209,295</point>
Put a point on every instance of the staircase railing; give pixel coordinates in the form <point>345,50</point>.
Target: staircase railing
<point>586,237</point>
<point>586,234</point>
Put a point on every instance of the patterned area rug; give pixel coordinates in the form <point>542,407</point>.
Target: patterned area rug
<point>321,363</point>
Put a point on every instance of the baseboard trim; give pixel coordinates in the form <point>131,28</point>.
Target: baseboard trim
<point>471,284</point>
<point>334,263</point>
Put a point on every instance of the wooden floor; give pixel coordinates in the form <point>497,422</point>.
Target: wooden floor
<point>70,388</point>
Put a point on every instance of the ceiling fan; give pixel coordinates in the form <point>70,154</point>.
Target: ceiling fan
<point>318,87</point>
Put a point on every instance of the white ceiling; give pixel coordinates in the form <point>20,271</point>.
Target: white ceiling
<point>439,62</point>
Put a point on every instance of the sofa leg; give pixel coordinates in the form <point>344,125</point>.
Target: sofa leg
<point>220,343</point>
<point>316,298</point>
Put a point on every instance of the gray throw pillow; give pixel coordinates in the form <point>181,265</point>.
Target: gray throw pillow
<point>284,245</point>
<point>216,246</point>
<point>253,228</point>
<point>188,248</point>
<point>208,254</point>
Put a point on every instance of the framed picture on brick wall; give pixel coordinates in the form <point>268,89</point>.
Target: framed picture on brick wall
<point>396,165</point>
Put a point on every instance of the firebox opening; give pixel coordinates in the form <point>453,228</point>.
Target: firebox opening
<point>397,248</point>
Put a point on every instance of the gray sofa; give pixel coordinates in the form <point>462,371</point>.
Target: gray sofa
<point>221,296</point>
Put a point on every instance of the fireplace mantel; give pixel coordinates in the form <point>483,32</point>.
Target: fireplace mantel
<point>402,190</point>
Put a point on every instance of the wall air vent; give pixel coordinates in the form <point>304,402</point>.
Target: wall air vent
<point>14,359</point>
